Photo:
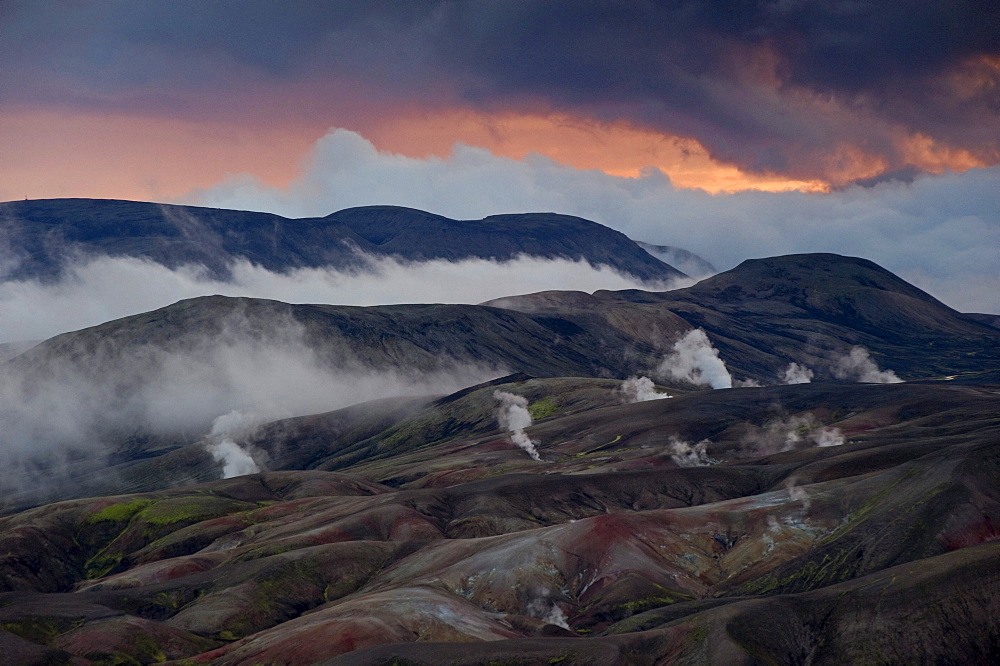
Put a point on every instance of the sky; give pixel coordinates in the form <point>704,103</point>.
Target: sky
<point>732,129</point>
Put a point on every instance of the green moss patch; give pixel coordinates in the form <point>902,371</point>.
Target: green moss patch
<point>120,512</point>
<point>40,630</point>
<point>186,510</point>
<point>542,408</point>
<point>641,605</point>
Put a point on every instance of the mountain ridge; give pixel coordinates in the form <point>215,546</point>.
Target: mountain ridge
<point>856,302</point>
<point>43,235</point>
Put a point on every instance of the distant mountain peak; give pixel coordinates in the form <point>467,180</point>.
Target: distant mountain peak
<point>43,233</point>
<point>813,272</point>
<point>682,259</point>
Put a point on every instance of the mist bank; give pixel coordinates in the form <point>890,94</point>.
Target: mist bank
<point>76,404</point>
<point>207,366</point>
<point>98,289</point>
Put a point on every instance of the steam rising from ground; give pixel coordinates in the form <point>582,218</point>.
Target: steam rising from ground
<point>797,493</point>
<point>858,366</point>
<point>696,361</point>
<point>543,608</point>
<point>685,454</point>
<point>513,415</point>
<point>70,409</point>
<point>236,460</point>
<point>789,433</point>
<point>797,374</point>
<point>101,289</point>
<point>641,389</point>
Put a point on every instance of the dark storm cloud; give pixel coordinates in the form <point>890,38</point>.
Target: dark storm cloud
<point>775,85</point>
<point>144,54</point>
<point>695,68</point>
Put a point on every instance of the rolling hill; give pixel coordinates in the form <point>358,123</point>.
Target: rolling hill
<point>380,513</point>
<point>460,549</point>
<point>144,385</point>
<point>44,235</point>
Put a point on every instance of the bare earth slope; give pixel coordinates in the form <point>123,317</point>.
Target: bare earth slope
<point>766,312</point>
<point>611,549</point>
<point>828,522</point>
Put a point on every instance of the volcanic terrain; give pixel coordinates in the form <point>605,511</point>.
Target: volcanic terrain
<point>543,510</point>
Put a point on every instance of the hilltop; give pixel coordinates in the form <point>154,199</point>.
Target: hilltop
<point>44,235</point>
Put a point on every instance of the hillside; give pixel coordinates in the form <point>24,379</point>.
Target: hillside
<point>145,385</point>
<point>613,548</point>
<point>380,511</point>
<point>803,308</point>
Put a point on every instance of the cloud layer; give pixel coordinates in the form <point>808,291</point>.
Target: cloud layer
<point>804,88</point>
<point>68,411</point>
<point>940,232</point>
<point>103,289</point>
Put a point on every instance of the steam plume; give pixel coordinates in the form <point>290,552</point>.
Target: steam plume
<point>641,389</point>
<point>539,608</point>
<point>829,437</point>
<point>557,617</point>
<point>690,455</point>
<point>236,461</point>
<point>513,415</point>
<point>797,374</point>
<point>797,493</point>
<point>696,361</point>
<point>859,366</point>
<point>790,433</point>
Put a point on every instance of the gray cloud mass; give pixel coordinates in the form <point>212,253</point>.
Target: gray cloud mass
<point>770,86</point>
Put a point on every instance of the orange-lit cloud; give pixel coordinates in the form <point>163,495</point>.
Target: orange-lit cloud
<point>769,97</point>
<point>74,154</point>
<point>929,155</point>
<point>56,154</point>
<point>617,149</point>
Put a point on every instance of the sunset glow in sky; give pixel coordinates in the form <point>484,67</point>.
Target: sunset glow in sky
<point>62,154</point>
<point>153,100</point>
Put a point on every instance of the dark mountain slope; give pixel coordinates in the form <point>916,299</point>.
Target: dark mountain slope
<point>988,319</point>
<point>43,235</point>
<point>408,337</point>
<point>415,234</point>
<point>105,381</point>
<point>776,303</point>
<point>853,292</point>
<point>808,308</point>
<point>817,307</point>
